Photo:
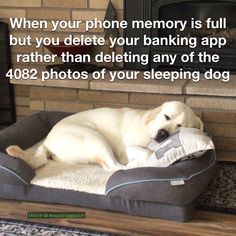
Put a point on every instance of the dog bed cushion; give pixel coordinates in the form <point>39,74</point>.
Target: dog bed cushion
<point>83,178</point>
<point>167,193</point>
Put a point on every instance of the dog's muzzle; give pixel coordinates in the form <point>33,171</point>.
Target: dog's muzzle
<point>161,135</point>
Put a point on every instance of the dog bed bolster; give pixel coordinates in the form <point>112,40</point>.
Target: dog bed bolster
<point>30,130</point>
<point>25,133</point>
<point>14,171</point>
<point>178,184</point>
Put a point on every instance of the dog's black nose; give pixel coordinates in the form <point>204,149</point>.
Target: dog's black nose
<point>162,135</point>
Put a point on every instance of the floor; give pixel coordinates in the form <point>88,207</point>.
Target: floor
<point>205,223</point>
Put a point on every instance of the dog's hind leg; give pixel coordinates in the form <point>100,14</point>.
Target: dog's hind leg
<point>35,159</point>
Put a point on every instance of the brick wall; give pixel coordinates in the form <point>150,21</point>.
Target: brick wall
<point>22,101</point>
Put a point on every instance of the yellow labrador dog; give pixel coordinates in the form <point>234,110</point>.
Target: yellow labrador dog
<point>113,138</point>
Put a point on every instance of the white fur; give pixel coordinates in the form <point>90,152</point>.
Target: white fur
<point>114,138</point>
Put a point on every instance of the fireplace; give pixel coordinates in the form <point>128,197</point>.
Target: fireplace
<point>182,10</point>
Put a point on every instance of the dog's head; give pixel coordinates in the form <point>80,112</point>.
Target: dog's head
<point>168,118</point>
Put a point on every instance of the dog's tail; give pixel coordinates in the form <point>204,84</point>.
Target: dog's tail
<point>35,160</point>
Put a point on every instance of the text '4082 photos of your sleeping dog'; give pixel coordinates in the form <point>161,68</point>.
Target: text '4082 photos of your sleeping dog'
<point>201,55</point>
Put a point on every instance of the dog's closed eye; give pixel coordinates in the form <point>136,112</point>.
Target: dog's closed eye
<point>167,117</point>
<point>179,125</point>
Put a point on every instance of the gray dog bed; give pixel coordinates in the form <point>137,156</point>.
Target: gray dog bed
<point>166,193</point>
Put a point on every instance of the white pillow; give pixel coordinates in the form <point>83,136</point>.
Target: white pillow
<point>185,144</point>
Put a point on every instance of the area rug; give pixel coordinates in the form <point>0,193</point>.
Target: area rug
<point>220,195</point>
<point>22,228</point>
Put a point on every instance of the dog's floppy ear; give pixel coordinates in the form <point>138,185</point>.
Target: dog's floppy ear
<point>151,115</point>
<point>200,124</point>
